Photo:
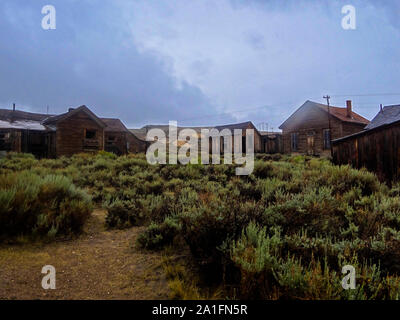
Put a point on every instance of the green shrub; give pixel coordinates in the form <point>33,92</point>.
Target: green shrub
<point>48,206</point>
<point>263,169</point>
<point>124,213</point>
<point>283,232</point>
<point>157,236</point>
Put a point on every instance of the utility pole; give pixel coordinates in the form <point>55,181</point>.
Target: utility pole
<point>327,97</point>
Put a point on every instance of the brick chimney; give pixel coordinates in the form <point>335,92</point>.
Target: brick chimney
<point>348,109</point>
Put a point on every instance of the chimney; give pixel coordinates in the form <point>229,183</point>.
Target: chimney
<point>348,108</point>
<point>13,106</point>
<point>381,108</point>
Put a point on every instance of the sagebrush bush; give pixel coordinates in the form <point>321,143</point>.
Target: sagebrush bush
<point>41,206</point>
<point>283,232</point>
<point>157,236</point>
<point>124,213</point>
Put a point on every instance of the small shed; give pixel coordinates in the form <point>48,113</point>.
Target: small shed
<point>377,148</point>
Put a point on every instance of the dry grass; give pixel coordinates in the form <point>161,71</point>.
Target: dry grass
<point>183,281</point>
<point>100,264</point>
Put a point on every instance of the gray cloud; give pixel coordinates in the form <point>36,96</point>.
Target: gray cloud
<point>198,62</point>
<point>89,59</point>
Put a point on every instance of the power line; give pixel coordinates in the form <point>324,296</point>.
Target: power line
<point>366,95</point>
<point>290,104</point>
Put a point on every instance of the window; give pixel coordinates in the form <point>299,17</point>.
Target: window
<point>90,134</point>
<point>327,139</point>
<point>111,138</point>
<point>294,141</point>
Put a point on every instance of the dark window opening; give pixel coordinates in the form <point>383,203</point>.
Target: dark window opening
<point>90,134</point>
<point>294,141</point>
<point>111,138</point>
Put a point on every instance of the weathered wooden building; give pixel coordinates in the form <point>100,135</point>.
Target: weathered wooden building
<point>377,148</point>
<point>272,142</point>
<point>23,132</point>
<point>119,140</point>
<point>258,138</point>
<point>310,129</point>
<point>78,130</point>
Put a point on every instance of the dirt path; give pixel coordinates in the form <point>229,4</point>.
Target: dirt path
<point>100,264</point>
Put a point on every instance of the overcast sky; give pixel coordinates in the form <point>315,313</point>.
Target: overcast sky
<point>199,62</point>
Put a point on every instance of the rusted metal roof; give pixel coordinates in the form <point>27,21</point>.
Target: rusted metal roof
<point>22,125</point>
<point>341,114</point>
<point>337,112</point>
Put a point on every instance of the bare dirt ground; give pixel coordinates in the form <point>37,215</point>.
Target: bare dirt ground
<point>100,264</point>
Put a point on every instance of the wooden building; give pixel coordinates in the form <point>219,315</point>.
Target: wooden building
<point>119,140</point>
<point>23,132</point>
<point>78,130</point>
<point>272,142</point>
<point>377,148</point>
<point>310,129</point>
<point>258,139</point>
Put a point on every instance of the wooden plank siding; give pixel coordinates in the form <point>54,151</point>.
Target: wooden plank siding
<point>377,150</point>
<point>135,145</point>
<point>70,135</point>
<point>311,121</point>
<point>115,142</point>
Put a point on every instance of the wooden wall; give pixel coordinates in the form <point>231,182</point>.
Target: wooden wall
<point>377,150</point>
<point>6,140</point>
<point>273,144</point>
<point>135,144</point>
<point>118,144</point>
<point>70,136</point>
<point>34,142</point>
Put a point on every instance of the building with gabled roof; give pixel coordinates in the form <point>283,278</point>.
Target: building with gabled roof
<point>386,115</point>
<point>310,129</point>
<point>75,131</point>
<point>258,142</point>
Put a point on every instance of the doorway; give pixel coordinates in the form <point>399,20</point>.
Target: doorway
<point>310,143</point>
